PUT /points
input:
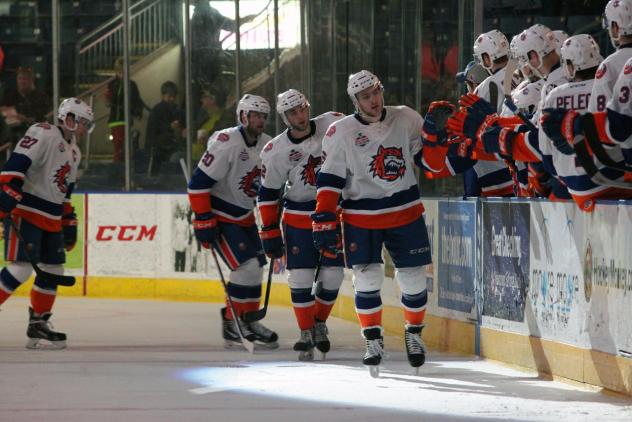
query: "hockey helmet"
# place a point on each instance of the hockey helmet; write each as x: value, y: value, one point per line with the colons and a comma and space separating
x: 359, y: 82
x: 80, y: 111
x: 288, y: 100
x: 582, y: 52
x: 493, y: 43
x: 250, y: 102
x: 620, y: 12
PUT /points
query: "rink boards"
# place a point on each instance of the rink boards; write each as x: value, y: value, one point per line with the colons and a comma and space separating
x: 537, y: 284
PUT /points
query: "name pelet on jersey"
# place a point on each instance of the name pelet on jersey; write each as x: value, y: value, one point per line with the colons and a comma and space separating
x: 293, y: 164
x: 47, y: 164
x: 371, y: 165
x: 227, y: 178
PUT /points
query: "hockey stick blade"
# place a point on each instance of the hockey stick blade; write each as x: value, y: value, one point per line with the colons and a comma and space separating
x: 261, y: 313
x: 56, y: 279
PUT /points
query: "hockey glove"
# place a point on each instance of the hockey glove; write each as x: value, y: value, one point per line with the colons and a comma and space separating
x: 325, y: 234
x: 562, y: 127
x: 433, y: 130
x: 469, y: 123
x: 272, y: 241
x: 476, y: 104
x: 205, y: 229
x: 69, y: 229
x: 498, y: 140
x: 10, y: 196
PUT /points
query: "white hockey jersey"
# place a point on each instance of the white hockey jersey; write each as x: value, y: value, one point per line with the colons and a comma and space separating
x: 371, y: 165
x: 227, y: 178
x: 293, y: 164
x: 583, y: 190
x: 606, y: 77
x: 621, y: 101
x: 486, y: 89
x: 47, y: 164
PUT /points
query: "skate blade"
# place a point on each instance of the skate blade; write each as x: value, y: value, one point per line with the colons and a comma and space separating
x: 416, y: 371
x: 269, y: 346
x: 41, y: 344
x: 306, y: 356
x: 320, y: 355
x: 374, y: 370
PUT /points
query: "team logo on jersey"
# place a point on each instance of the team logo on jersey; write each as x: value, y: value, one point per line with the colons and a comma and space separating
x: 223, y: 137
x: 335, y: 113
x: 361, y: 139
x: 243, y: 155
x: 331, y: 131
x: 60, y: 178
x: 388, y: 164
x: 61, y: 147
x: 249, y: 184
x: 310, y: 170
x: 268, y: 147
x: 295, y: 156
x: 601, y: 71
x: 627, y: 69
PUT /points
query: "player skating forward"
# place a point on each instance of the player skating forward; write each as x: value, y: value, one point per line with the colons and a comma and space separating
x: 222, y: 192
x: 291, y: 161
x: 368, y: 159
x: 37, y: 182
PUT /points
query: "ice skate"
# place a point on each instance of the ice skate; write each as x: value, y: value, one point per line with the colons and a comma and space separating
x: 305, y: 346
x: 415, y: 347
x: 321, y: 339
x: 40, y: 334
x: 263, y: 336
x: 374, y: 349
x: 231, y: 334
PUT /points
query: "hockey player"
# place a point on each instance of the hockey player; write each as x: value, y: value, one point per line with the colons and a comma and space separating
x: 36, y: 185
x: 618, y: 21
x: 368, y: 159
x: 291, y: 161
x: 222, y: 192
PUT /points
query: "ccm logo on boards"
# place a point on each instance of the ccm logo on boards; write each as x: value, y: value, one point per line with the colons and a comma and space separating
x: 126, y: 233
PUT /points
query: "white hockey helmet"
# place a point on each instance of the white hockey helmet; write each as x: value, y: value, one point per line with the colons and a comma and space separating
x: 534, y: 40
x: 493, y: 43
x: 582, y: 52
x: 79, y: 110
x: 559, y: 36
x: 619, y: 11
x: 527, y: 97
x: 250, y: 102
x: 288, y: 100
x: 359, y: 82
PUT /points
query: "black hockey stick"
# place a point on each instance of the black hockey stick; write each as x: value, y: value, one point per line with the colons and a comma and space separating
x: 249, y: 345
x: 259, y: 314
x: 56, y: 279
x: 317, y: 285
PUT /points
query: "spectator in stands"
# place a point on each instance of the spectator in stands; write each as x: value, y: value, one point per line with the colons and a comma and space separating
x: 115, y: 98
x: 211, y: 117
x: 206, y: 45
x: 166, y: 127
x: 25, y: 104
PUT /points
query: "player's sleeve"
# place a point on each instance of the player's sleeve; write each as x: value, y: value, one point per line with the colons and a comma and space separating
x: 31, y: 148
x: 213, y: 166
x: 616, y: 124
x: 414, y: 135
x: 273, y: 179
x: 331, y: 178
x: 601, y: 89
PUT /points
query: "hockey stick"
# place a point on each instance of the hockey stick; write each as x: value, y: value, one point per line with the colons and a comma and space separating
x: 56, y: 279
x: 261, y: 313
x: 247, y: 343
x: 317, y: 285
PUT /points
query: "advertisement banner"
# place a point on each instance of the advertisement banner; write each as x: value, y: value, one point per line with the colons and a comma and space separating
x: 505, y: 259
x: 456, y: 255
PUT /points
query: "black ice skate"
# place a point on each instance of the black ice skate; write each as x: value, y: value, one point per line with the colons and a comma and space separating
x: 374, y: 349
x: 321, y: 339
x: 415, y: 347
x: 231, y: 334
x: 305, y: 346
x: 263, y: 336
x: 40, y: 334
